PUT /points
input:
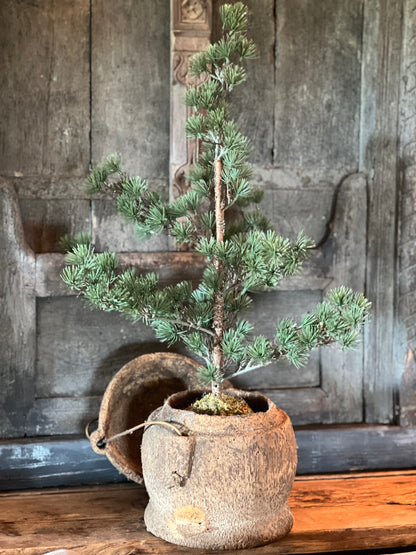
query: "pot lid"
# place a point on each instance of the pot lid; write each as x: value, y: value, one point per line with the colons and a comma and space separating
x: 139, y: 387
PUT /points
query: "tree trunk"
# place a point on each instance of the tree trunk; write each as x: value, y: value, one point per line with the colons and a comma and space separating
x: 218, y: 323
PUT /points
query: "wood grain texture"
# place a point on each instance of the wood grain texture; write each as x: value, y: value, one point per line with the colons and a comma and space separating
x: 55, y: 186
x: 52, y: 462
x: 46, y: 221
x: 407, y: 391
x: 110, y: 231
x: 191, y: 25
x: 171, y: 267
x: 383, y: 28
x: 44, y: 79
x: 317, y: 83
x: 345, y: 252
x: 304, y: 209
x: 130, y: 84
x: 253, y: 102
x: 80, y: 360
x: 355, y: 448
x: 18, y: 317
x: 406, y: 312
x: 332, y: 513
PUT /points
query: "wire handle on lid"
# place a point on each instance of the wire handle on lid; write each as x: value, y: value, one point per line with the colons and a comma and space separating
x: 101, y: 443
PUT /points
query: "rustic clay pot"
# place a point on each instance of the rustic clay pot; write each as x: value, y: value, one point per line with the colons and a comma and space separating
x: 225, y: 484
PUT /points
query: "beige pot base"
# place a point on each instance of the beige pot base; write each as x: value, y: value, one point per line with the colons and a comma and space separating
x: 191, y: 527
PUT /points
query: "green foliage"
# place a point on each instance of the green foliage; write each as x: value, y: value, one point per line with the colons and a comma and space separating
x: 209, y: 374
x: 67, y: 242
x: 204, y: 97
x: 252, y: 256
x: 234, y: 17
x: 97, y: 179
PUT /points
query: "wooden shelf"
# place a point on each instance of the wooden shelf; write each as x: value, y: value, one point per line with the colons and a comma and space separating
x: 332, y: 513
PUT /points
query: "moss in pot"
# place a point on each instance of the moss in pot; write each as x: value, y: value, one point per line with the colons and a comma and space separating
x: 243, y: 253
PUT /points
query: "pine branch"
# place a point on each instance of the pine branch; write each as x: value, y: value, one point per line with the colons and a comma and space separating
x: 243, y: 251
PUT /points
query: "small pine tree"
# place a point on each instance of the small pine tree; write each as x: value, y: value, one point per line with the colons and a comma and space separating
x: 242, y: 253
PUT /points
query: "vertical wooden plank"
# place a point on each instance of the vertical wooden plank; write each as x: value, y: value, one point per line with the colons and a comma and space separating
x: 190, y: 33
x: 344, y: 252
x: 318, y: 83
x: 382, y: 49
x: 130, y: 84
x: 17, y: 322
x: 254, y: 102
x: 44, y: 79
x: 407, y: 226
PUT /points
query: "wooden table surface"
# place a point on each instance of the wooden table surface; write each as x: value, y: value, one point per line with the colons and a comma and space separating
x: 332, y: 513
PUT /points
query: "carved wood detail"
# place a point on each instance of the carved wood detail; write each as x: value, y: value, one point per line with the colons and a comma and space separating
x: 193, y: 10
x: 191, y: 33
x: 191, y: 15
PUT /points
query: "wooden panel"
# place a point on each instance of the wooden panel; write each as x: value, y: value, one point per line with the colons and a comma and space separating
x: 354, y: 448
x: 52, y: 462
x: 253, y: 102
x: 333, y: 513
x: 130, y: 84
x: 171, y: 267
x: 345, y: 250
x: 79, y: 360
x: 406, y: 311
x: 46, y: 221
x: 111, y: 232
x: 339, y: 397
x: 382, y: 46
x: 309, y: 405
x: 58, y: 187
x: 407, y: 391
x: 49, y: 187
x: 57, y: 461
x: 44, y: 79
x: 316, y: 146
x: 302, y: 209
x: 318, y: 82
x: 60, y: 416
x: 17, y: 321
x: 191, y: 24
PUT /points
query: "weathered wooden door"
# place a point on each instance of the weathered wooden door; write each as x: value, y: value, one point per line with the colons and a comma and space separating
x: 329, y: 107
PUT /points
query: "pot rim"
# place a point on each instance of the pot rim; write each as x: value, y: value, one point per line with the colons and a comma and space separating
x: 206, y: 424
x: 256, y: 398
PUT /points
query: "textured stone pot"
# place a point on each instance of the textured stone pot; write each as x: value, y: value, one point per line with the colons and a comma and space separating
x: 225, y: 484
